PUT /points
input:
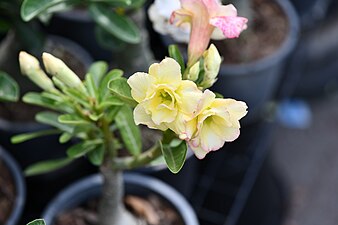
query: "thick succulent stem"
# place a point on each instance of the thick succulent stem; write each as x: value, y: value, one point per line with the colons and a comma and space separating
x: 111, y: 208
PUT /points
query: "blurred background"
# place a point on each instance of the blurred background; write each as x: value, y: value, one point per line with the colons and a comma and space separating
x: 283, y: 169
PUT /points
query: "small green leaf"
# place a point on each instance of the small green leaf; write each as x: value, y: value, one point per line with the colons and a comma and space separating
x: 174, y: 52
x: 65, y: 137
x: 112, y: 112
x: 9, y: 89
x: 46, y: 100
x: 71, y: 119
x: 77, y: 96
x: 174, y: 156
x: 51, y: 119
x: 121, y: 89
x: 130, y: 132
x: 32, y: 8
x: 111, y: 101
x: 97, y: 70
x: 37, y: 222
x: 113, y: 74
x: 118, y: 25
x: 28, y: 136
x: 82, y: 148
x: 96, y: 155
x: 46, y: 166
x: 91, y: 87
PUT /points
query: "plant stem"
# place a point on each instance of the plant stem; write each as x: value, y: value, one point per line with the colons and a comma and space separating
x: 138, y: 161
x: 111, y: 208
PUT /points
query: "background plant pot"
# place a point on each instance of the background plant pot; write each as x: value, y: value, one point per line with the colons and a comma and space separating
x: 311, y: 11
x: 79, y: 27
x: 135, y: 184
x: 256, y: 82
x: 184, y: 181
x: 315, y: 59
x: 19, y: 185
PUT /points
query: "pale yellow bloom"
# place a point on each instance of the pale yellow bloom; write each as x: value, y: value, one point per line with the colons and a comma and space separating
x: 163, y: 96
x: 217, y: 122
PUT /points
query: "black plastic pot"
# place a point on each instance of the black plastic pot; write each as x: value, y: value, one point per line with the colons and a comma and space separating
x: 19, y: 185
x: 256, y: 82
x: 184, y: 181
x: 79, y: 27
x: 90, y: 187
x: 311, y: 11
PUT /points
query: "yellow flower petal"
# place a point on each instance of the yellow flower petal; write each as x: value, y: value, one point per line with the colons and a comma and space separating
x: 141, y: 85
x: 142, y: 117
x: 168, y: 71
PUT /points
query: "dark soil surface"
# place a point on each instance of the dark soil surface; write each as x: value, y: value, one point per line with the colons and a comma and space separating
x: 151, y: 210
x: 265, y: 34
x: 7, y: 193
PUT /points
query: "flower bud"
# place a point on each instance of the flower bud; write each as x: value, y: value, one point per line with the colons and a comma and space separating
x: 212, y: 63
x: 60, y: 70
x: 30, y: 67
x: 194, y: 72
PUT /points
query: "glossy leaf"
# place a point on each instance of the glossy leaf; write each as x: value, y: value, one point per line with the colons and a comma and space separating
x: 32, y: 8
x: 72, y: 119
x: 65, y: 137
x: 9, y: 89
x: 46, y: 166
x: 174, y: 156
x: 96, y: 156
x: 97, y: 71
x: 82, y: 148
x: 118, y: 25
x: 113, y: 74
x: 130, y: 132
x: 52, y: 119
x: 120, y: 88
x: 28, y: 136
x: 37, y: 222
x: 40, y: 100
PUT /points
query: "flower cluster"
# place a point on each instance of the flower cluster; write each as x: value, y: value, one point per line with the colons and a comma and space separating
x: 165, y: 101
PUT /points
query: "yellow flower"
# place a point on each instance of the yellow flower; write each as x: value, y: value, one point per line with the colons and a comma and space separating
x: 163, y: 96
x: 217, y: 121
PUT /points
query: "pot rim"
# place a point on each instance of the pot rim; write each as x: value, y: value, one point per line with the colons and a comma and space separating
x: 94, y: 181
x: 283, y: 51
x: 19, y: 185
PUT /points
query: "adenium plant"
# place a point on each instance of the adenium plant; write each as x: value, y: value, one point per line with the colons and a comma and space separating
x: 103, y: 112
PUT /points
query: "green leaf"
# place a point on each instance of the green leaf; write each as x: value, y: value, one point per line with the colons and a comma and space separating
x: 52, y: 119
x: 37, y: 222
x: 108, y: 41
x: 46, y: 166
x: 9, y: 89
x: 82, y: 148
x: 91, y: 87
x: 32, y: 8
x: 113, y: 74
x: 77, y: 96
x: 121, y: 89
x: 112, y: 112
x: 28, y: 136
x: 65, y: 137
x: 174, y: 156
x: 118, y: 25
x: 96, y: 155
x: 72, y: 119
x: 174, y: 52
x: 129, y: 131
x: 97, y: 70
x: 44, y: 101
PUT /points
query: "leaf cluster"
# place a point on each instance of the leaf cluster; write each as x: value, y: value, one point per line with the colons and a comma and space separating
x: 112, y: 22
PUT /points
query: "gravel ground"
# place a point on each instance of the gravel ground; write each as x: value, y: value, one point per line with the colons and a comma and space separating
x: 308, y: 160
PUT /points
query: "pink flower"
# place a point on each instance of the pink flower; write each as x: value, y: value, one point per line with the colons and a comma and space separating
x: 204, y: 16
